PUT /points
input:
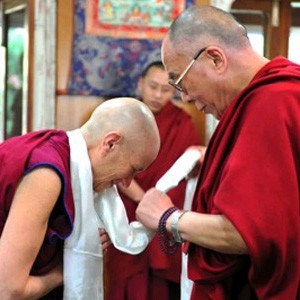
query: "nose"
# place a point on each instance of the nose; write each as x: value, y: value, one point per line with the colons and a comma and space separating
x: 126, y: 182
x: 158, y: 92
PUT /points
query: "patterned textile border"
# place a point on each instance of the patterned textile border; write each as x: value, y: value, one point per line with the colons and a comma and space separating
x: 147, y: 19
x: 105, y: 66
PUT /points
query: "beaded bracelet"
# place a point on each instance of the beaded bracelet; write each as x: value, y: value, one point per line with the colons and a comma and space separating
x: 167, y: 245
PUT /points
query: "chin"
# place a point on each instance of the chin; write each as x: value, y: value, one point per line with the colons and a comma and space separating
x: 102, y: 186
x: 99, y: 188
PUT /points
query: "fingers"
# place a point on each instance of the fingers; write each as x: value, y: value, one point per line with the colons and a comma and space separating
x: 105, y: 240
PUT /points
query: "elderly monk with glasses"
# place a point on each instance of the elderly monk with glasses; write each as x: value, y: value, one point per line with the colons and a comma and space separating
x: 242, y: 235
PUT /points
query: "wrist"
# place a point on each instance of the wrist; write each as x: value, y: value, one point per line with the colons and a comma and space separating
x: 172, y: 225
x: 138, y: 196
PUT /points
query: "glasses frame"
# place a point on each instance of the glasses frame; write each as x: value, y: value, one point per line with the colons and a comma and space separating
x: 176, y: 84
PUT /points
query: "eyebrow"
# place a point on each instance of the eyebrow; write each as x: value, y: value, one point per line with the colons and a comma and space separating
x: 157, y: 83
x: 153, y: 81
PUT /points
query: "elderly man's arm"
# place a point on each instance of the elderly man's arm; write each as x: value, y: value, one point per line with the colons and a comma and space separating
x: 23, y: 234
x: 215, y: 232
x: 134, y: 191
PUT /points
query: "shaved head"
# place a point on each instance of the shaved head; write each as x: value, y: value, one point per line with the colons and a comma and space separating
x: 129, y: 116
x: 208, y: 24
x: 224, y: 63
x: 122, y: 139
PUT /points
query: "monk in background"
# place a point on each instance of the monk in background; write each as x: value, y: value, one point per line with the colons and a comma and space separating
x: 152, y: 274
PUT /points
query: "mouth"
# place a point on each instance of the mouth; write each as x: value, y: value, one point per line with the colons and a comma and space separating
x: 155, y: 104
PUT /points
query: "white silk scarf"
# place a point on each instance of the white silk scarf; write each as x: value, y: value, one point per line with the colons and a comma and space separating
x: 83, y: 258
x: 179, y: 170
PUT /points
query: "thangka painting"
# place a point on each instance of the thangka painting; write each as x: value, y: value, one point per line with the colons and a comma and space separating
x: 111, y: 65
x: 142, y: 19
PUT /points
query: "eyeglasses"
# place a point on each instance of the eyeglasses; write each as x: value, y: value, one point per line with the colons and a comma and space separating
x: 176, y: 84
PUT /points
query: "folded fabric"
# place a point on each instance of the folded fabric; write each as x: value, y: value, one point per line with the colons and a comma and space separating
x: 131, y: 238
x: 83, y: 258
x: 179, y: 170
x: 186, y: 284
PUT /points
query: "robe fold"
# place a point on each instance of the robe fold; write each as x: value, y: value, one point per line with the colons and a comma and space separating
x: 251, y: 175
x: 177, y: 133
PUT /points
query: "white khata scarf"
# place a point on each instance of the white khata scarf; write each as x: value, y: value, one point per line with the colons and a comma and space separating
x: 83, y: 258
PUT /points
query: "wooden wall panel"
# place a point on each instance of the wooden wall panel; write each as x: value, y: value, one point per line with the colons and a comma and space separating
x: 73, y: 111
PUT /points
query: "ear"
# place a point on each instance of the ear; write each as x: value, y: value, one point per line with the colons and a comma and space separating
x: 110, y: 140
x: 218, y: 58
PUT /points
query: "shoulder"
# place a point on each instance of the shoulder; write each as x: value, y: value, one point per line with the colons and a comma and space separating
x: 275, y: 99
x: 54, y: 150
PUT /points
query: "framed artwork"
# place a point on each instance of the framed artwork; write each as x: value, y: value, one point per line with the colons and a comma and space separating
x: 141, y: 19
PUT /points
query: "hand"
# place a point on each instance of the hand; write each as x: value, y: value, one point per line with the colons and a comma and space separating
x: 105, y: 240
x: 152, y: 206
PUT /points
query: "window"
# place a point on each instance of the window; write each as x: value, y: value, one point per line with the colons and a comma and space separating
x: 13, y: 75
x: 294, y: 38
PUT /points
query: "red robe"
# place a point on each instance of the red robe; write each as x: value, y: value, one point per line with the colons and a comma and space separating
x: 251, y: 175
x: 177, y: 133
x: 19, y: 156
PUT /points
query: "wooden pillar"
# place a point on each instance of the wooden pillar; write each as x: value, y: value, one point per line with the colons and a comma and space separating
x: 202, y: 2
x: 65, y: 27
x: 279, y: 29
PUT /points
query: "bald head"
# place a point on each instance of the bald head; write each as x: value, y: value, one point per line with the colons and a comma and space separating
x: 129, y: 116
x: 122, y: 139
x: 225, y: 62
x: 207, y: 24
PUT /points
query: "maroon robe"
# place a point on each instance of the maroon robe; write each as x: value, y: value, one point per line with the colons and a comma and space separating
x: 177, y: 133
x: 251, y: 175
x: 19, y: 156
